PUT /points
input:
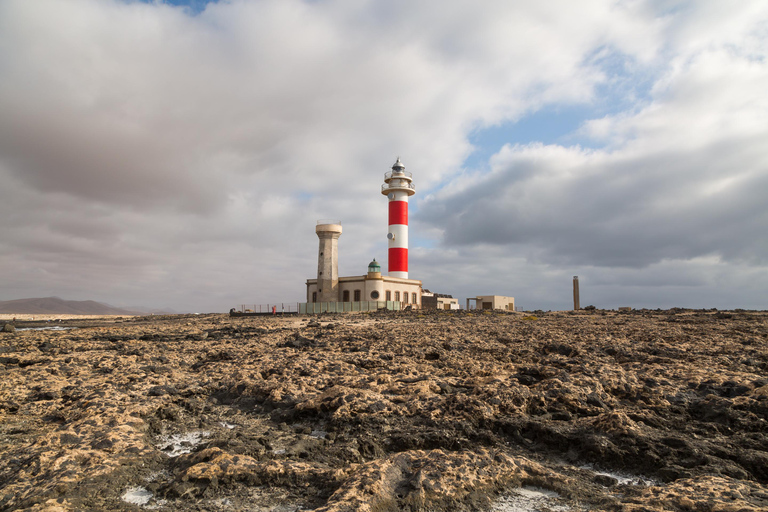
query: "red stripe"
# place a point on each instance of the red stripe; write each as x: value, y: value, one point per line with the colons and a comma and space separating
x: 398, y: 212
x: 398, y: 259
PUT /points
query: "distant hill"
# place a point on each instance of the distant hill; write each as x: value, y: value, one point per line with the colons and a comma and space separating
x: 57, y: 306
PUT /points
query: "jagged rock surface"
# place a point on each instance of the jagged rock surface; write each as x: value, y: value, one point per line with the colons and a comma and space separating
x: 374, y: 412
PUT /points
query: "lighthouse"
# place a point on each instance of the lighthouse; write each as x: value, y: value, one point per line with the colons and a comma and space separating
x: 373, y: 290
x: 398, y: 187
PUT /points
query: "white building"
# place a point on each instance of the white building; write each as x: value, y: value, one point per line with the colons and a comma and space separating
x: 493, y: 302
x: 372, y: 286
x: 431, y: 300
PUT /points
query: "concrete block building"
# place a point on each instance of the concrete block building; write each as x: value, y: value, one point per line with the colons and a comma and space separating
x: 431, y: 300
x: 498, y: 302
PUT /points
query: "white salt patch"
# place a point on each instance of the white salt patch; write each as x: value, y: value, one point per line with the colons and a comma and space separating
x: 179, y: 444
x: 279, y: 451
x: 536, y: 493
x: 319, y: 434
x: 529, y: 499
x: 227, y: 425
x: 621, y: 478
x: 137, y: 496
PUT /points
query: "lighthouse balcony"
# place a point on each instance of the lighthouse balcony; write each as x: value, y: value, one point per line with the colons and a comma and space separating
x: 408, y: 187
x: 405, y: 175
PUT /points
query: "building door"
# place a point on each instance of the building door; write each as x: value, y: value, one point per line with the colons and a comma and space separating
x: 357, y: 295
x: 345, y: 297
x: 487, y: 305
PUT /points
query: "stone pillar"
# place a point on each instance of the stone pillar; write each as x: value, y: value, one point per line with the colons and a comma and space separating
x: 328, y: 261
x: 576, y: 293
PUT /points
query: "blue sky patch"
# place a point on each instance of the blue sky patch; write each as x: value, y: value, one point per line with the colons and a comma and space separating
x: 626, y: 89
x: 552, y: 125
x: 195, y: 6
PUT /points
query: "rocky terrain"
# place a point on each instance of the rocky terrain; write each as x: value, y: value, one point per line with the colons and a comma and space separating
x: 433, y: 411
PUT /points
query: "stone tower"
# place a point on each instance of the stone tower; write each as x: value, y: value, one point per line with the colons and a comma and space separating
x: 328, y: 260
x: 576, y: 293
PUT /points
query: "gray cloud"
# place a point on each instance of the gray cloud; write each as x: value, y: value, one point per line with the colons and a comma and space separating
x: 150, y: 156
x: 681, y: 179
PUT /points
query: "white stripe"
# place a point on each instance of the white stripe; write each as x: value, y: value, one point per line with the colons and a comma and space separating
x: 401, y: 235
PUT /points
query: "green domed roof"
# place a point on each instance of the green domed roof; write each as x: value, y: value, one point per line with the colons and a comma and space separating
x: 374, y: 266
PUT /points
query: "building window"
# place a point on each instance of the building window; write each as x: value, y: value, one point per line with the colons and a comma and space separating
x: 357, y: 295
x: 314, y: 296
x: 413, y: 296
x: 389, y: 296
x: 346, y: 296
x: 397, y: 296
x: 405, y: 297
x: 374, y: 295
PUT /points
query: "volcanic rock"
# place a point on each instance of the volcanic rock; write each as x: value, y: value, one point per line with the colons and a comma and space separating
x: 445, y: 410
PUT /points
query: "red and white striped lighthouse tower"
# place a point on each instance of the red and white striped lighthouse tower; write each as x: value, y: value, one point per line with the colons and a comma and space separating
x: 398, y: 187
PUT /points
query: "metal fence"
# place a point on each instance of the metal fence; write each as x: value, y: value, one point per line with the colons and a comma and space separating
x: 279, y: 307
x: 312, y: 308
x: 309, y: 308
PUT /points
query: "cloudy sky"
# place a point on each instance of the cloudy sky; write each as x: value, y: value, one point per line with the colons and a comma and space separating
x: 178, y: 154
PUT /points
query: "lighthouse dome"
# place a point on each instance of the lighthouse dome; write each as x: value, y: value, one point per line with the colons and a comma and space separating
x: 374, y: 266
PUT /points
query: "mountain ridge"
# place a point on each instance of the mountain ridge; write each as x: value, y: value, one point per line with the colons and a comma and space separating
x: 58, y: 306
